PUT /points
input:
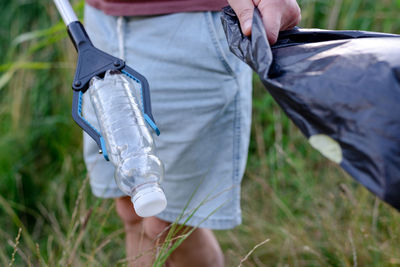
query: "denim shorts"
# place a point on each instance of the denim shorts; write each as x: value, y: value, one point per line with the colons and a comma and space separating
x: 201, y: 101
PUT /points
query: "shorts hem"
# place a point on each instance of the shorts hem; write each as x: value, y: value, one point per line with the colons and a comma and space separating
x: 107, y: 192
x: 171, y: 216
x: 201, y: 222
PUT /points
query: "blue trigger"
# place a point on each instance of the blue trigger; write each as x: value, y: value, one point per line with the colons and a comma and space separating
x: 151, y: 123
x: 102, y: 142
x: 103, y: 148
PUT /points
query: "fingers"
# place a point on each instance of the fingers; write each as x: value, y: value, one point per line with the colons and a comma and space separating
x: 272, y: 24
x: 291, y: 15
x: 278, y: 15
x: 244, y: 10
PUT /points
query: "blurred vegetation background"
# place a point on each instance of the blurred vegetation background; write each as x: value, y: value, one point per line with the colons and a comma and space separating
x: 311, y: 211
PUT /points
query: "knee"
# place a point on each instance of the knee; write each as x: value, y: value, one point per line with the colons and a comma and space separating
x: 126, y: 212
x: 155, y: 228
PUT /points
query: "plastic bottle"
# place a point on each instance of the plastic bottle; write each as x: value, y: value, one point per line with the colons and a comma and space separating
x: 130, y: 146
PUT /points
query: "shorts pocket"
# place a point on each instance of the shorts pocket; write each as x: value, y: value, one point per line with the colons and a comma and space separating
x: 218, y: 38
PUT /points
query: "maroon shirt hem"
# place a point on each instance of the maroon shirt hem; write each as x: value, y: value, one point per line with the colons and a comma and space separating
x: 137, y: 8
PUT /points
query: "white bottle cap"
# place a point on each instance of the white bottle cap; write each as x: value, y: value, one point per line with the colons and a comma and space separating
x: 149, y: 201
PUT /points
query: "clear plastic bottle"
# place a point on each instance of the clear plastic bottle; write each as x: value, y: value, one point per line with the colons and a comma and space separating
x: 130, y: 146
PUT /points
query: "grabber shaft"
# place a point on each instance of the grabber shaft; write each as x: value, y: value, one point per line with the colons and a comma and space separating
x: 66, y: 11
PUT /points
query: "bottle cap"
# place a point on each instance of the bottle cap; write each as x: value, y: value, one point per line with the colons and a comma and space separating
x: 149, y: 201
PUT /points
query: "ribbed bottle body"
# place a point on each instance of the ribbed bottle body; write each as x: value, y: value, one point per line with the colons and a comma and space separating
x: 129, y: 144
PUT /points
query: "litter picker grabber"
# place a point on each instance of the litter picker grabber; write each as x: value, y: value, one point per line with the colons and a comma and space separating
x: 93, y: 62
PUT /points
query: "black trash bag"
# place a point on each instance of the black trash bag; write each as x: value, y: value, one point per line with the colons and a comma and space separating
x: 340, y: 88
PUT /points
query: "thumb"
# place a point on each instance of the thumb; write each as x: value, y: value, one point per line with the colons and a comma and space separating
x: 244, y: 10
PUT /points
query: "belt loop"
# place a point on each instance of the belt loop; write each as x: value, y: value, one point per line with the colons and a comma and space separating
x: 120, y: 34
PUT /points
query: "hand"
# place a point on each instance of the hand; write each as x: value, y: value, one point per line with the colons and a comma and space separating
x: 277, y: 15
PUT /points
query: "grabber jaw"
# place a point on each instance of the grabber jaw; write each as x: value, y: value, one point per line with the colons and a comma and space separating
x: 85, y: 125
x: 93, y: 62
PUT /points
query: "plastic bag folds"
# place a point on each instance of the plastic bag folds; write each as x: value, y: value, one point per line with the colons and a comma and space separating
x: 340, y: 88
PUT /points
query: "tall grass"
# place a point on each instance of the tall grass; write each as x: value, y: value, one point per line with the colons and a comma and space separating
x: 311, y: 212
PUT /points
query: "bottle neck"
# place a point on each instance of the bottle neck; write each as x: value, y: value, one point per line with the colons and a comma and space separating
x: 145, y: 188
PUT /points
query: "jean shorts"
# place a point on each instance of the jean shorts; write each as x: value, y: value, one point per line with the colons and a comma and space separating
x: 201, y: 101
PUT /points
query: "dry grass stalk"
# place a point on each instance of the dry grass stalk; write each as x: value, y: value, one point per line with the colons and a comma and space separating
x: 15, y: 247
x: 252, y: 250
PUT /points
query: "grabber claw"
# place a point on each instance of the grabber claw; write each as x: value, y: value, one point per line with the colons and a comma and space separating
x: 93, y: 62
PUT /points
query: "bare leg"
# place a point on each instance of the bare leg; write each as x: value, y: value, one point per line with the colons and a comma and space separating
x: 199, y: 249
x: 139, y: 248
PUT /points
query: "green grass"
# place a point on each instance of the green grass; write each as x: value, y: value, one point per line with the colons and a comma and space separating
x: 312, y: 212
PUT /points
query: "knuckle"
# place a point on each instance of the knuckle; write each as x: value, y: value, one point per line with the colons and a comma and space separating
x: 286, y: 13
x: 245, y: 14
x: 295, y: 11
x: 294, y: 16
